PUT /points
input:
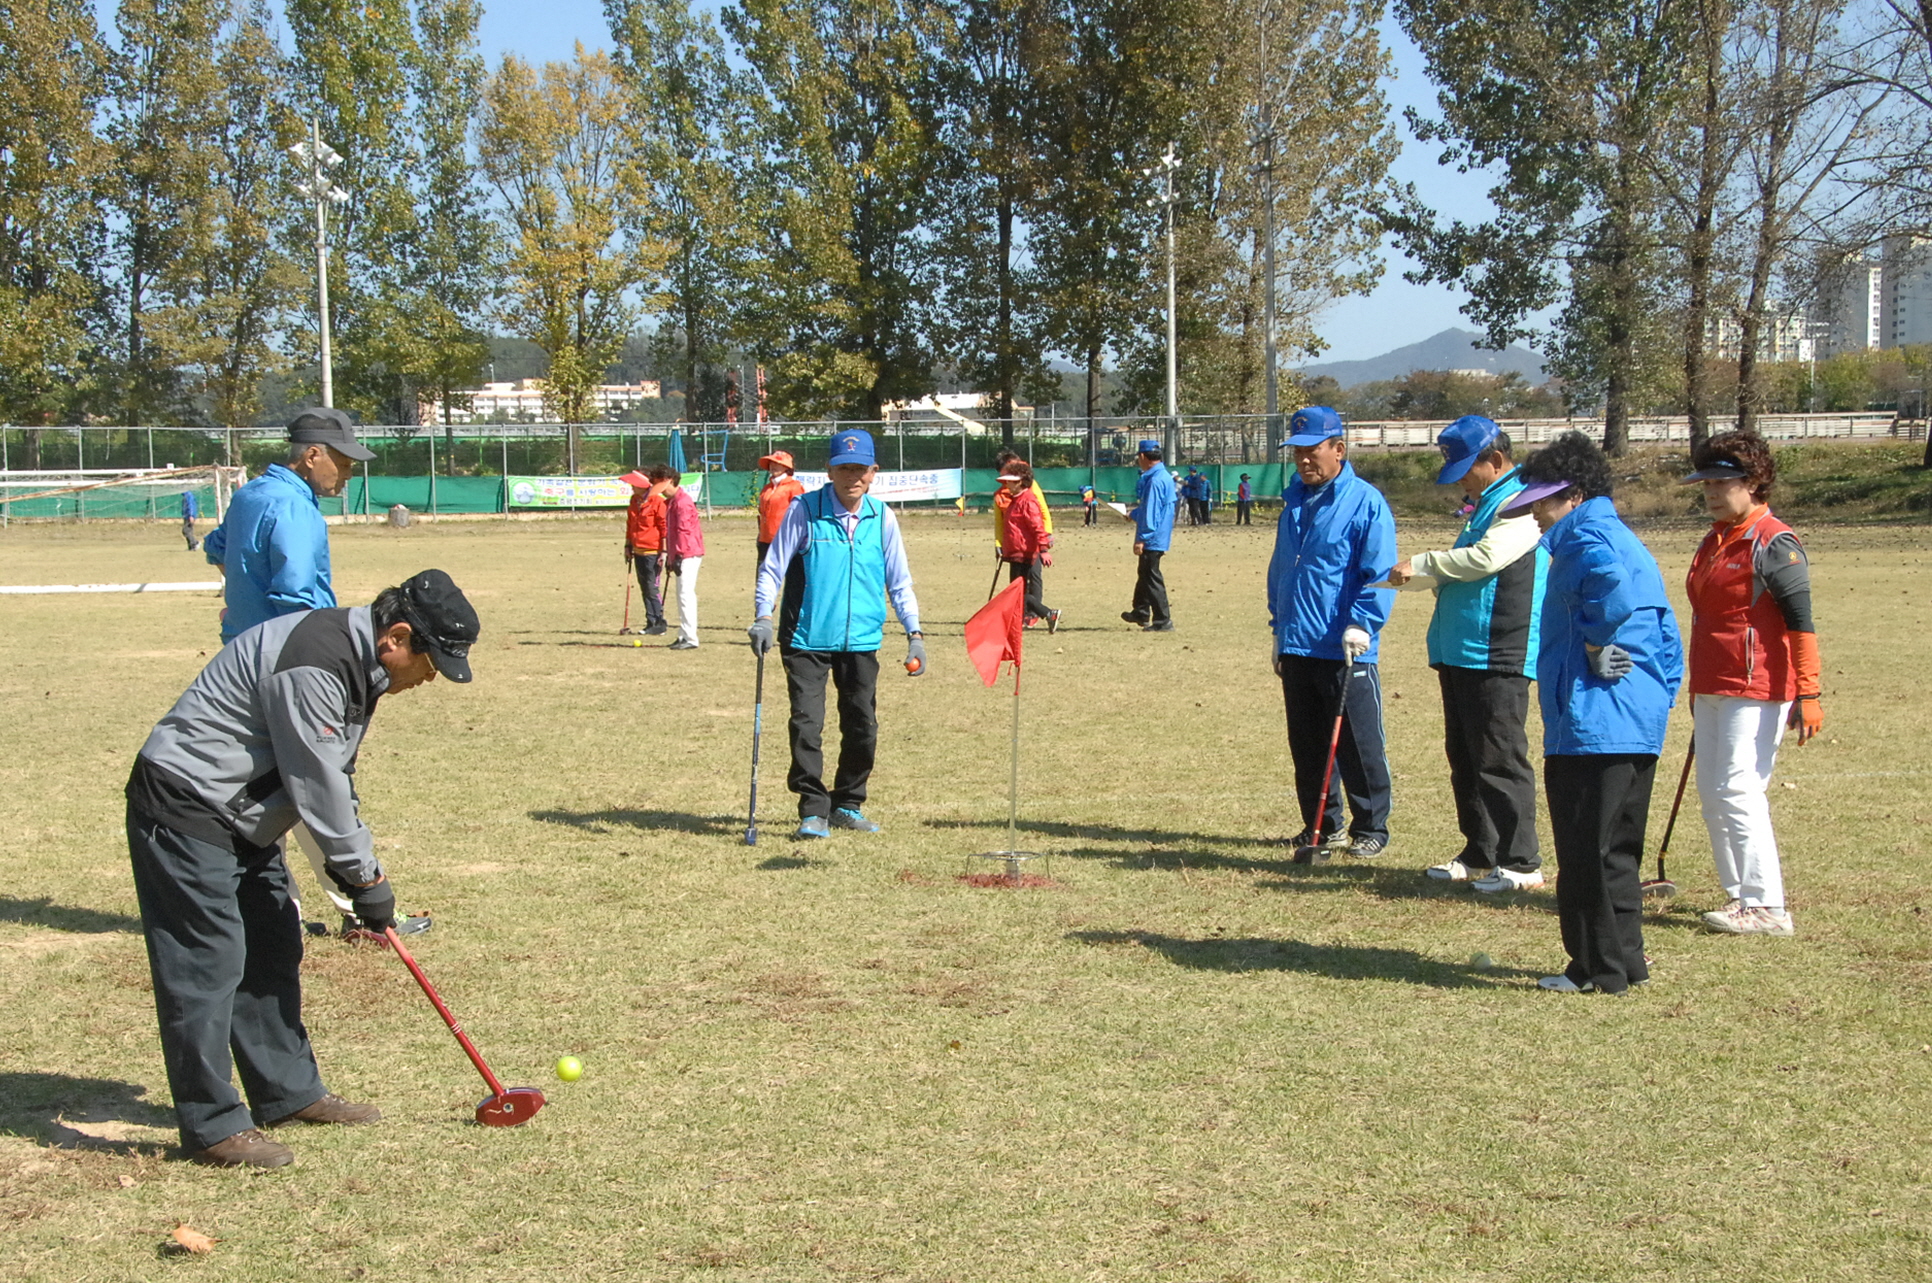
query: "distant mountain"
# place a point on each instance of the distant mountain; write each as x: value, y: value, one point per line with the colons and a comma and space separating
x: 1453, y: 349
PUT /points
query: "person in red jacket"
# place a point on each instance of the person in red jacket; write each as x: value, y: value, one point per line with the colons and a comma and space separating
x: 683, y: 555
x: 644, y: 540
x: 1024, y: 540
x: 781, y: 487
x: 1754, y: 671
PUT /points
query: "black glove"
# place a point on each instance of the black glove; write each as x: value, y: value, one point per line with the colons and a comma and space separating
x: 375, y: 906
x: 1612, y: 662
x: 628, y: 554
x: 761, y: 636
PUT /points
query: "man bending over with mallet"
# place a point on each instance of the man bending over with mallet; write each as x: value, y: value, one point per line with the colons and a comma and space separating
x: 267, y: 736
x: 834, y: 560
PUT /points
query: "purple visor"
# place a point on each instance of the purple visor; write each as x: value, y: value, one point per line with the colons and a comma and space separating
x: 1530, y: 494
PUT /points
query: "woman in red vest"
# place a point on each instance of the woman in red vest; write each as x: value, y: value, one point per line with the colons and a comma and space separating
x: 1024, y: 540
x: 1754, y: 671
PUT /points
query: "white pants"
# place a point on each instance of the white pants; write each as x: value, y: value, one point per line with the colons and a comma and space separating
x: 1737, y: 745
x: 688, y: 600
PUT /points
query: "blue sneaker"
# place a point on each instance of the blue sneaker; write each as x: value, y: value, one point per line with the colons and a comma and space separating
x: 812, y: 826
x: 847, y: 818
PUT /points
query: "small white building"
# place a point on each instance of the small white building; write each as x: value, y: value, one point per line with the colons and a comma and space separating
x: 1907, y: 303
x: 522, y: 401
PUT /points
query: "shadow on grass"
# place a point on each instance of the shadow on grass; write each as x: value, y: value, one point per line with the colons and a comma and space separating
x: 1111, y: 833
x: 65, y: 1112
x: 60, y: 917
x: 606, y: 821
x: 778, y: 862
x: 1339, y: 962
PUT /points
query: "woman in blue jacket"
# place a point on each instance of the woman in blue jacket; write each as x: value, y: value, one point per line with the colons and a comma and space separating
x: 1608, y: 666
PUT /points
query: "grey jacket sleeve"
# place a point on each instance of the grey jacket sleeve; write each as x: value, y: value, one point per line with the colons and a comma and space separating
x: 306, y: 712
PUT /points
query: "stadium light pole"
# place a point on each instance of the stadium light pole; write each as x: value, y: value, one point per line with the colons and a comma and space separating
x: 319, y: 158
x: 1169, y: 162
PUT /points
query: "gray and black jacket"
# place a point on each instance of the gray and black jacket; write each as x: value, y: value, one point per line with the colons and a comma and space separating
x: 267, y: 736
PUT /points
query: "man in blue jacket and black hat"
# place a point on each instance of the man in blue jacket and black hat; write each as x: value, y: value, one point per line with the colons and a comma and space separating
x: 1482, y: 644
x: 1153, y: 517
x: 1335, y: 539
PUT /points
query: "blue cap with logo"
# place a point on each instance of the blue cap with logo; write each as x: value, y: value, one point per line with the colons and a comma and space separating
x: 1462, y: 443
x: 1150, y: 446
x: 852, y: 446
x: 1313, y: 425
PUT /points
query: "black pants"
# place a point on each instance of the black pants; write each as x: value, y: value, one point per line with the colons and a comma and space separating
x: 759, y: 562
x: 1483, y: 716
x: 188, y: 532
x: 647, y: 586
x: 856, y: 675
x: 1309, y: 690
x: 1244, y: 512
x: 1599, y: 805
x: 1205, y: 508
x: 1150, y: 590
x: 1093, y: 515
x: 224, y: 941
x: 1035, y: 575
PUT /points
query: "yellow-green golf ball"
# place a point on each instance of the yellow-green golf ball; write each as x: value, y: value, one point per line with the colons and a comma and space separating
x: 636, y: 643
x: 570, y: 1069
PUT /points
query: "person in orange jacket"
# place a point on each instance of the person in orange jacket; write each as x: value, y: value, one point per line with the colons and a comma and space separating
x: 1023, y: 542
x: 781, y: 487
x: 644, y: 542
x: 1754, y: 672
x: 1001, y: 497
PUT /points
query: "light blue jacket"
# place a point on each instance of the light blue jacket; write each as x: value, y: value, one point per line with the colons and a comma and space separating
x: 1154, y: 509
x: 273, y: 547
x: 1331, y: 543
x: 1604, y: 587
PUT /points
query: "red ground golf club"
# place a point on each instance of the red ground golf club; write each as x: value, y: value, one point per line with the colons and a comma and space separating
x: 1311, y: 853
x: 505, y: 1107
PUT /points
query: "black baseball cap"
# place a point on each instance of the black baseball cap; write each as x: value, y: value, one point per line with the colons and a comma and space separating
x: 320, y: 425
x: 1719, y: 470
x: 438, y: 612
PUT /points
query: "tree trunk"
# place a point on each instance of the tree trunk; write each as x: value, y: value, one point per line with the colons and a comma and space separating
x: 1004, y: 356
x: 31, y: 436
x: 1713, y: 21
x: 449, y: 436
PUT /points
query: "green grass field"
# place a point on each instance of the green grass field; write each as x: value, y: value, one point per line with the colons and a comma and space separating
x: 1187, y: 1059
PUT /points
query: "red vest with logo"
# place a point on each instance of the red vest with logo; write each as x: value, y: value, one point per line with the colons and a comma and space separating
x: 1738, y: 639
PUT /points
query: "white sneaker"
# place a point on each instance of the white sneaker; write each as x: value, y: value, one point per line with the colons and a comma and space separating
x: 1448, y: 871
x: 1501, y: 879
x: 1563, y: 984
x: 1757, y: 920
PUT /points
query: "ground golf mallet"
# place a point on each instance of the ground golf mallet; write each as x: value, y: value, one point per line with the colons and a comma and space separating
x: 998, y: 561
x: 627, y: 600
x: 504, y: 1107
x: 757, y: 733
x: 1661, y: 886
x: 1328, y: 772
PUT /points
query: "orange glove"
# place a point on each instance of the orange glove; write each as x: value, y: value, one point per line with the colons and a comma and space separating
x: 1807, y: 717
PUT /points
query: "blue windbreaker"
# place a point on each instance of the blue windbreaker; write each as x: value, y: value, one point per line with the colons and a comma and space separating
x: 1154, y: 509
x: 1331, y: 543
x: 1604, y: 587
x: 273, y: 547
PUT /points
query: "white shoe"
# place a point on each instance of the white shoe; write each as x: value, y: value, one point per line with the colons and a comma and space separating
x: 1448, y: 871
x: 1563, y: 984
x: 1736, y: 919
x: 1501, y: 879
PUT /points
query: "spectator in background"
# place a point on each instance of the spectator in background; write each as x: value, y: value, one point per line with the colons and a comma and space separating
x: 1090, y: 501
x: 781, y: 487
x: 1153, y: 515
x: 683, y: 555
x: 1608, y: 664
x: 1482, y: 641
x: 190, y: 509
x: 1335, y: 538
x: 1754, y: 672
x: 1244, y: 502
x: 1002, y: 497
x: 644, y: 542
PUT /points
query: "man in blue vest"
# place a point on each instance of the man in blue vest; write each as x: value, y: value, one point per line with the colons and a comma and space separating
x: 1482, y: 644
x: 834, y: 561
x: 1153, y: 516
x: 190, y: 509
x: 1336, y: 539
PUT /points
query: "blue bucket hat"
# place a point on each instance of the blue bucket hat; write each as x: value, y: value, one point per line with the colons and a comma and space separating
x: 1313, y: 425
x: 1462, y: 443
x: 853, y: 445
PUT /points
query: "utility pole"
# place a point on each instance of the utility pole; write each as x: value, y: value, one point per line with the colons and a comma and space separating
x: 1265, y: 138
x: 1169, y: 162
x: 320, y: 158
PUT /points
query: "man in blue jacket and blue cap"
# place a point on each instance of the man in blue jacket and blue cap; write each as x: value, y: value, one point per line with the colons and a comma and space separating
x: 1153, y: 517
x: 1335, y: 539
x: 835, y: 560
x: 1482, y: 644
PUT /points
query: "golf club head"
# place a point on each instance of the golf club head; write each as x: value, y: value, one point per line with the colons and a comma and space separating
x: 514, y: 1107
x: 1660, y: 889
x: 751, y: 837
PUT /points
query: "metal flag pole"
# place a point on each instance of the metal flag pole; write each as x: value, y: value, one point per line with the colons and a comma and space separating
x: 1013, y: 788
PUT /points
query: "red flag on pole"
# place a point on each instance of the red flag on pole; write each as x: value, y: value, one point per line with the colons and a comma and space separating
x: 993, y: 634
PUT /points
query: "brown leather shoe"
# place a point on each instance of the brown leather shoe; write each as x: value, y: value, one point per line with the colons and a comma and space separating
x: 330, y: 1109
x: 244, y: 1149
